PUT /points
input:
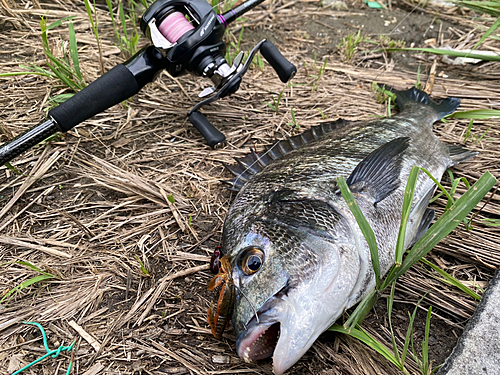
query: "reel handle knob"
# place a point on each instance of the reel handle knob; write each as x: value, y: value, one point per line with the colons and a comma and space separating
x: 207, y: 130
x: 285, y: 69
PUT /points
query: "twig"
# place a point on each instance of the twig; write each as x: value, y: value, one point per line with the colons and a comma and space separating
x: 86, y: 336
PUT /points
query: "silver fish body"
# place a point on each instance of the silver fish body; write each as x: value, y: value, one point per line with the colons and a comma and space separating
x: 314, y: 261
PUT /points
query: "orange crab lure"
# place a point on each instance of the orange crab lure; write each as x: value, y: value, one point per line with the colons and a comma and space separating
x: 220, y: 317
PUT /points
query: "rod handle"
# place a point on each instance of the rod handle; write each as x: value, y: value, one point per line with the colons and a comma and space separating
x: 111, y: 88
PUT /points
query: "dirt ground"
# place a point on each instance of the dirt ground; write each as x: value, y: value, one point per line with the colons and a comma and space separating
x: 93, y: 207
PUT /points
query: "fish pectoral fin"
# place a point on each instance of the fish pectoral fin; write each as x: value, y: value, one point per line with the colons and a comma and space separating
x: 424, y: 225
x: 378, y: 174
x: 459, y: 154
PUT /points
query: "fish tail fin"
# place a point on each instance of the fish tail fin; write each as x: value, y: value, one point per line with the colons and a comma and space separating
x: 459, y: 154
x: 414, y: 95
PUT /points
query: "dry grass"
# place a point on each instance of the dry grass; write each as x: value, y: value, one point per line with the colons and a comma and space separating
x: 96, y: 202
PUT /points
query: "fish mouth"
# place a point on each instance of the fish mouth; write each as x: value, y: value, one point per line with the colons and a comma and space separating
x: 258, y: 341
x: 261, y: 334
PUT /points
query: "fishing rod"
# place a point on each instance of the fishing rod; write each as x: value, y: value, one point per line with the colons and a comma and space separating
x: 186, y: 37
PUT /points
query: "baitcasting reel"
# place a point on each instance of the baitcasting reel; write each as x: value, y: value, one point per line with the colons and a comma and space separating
x: 186, y: 36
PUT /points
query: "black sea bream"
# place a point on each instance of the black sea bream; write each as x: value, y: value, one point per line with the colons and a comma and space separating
x: 298, y: 258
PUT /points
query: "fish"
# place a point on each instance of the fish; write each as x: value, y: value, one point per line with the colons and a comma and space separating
x: 295, y: 253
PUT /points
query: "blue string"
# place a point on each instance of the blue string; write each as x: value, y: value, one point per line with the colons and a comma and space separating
x: 53, y: 353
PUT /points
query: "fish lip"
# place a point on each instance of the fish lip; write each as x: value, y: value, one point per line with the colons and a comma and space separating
x: 255, y: 331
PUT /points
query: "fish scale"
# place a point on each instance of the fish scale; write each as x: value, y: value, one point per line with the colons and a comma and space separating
x: 315, y: 262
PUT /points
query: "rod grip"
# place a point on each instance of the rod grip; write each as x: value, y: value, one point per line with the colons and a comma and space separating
x: 26, y: 140
x: 285, y: 69
x: 111, y: 88
x: 207, y: 130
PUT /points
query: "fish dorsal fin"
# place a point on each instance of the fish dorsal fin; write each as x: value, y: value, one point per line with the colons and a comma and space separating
x: 253, y: 163
x: 378, y: 174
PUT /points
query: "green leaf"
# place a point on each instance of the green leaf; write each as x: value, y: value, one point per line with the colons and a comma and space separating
x: 89, y: 13
x: 408, y: 199
x: 11, y: 293
x: 362, y: 309
x: 476, y: 114
x: 143, y: 269
x: 445, y: 224
x: 425, y: 343
x: 444, y: 52
x: 364, y: 337
x: 73, y: 50
x: 58, y: 23
x: 490, y: 31
x: 171, y: 198
x: 115, y: 28
x: 363, y: 225
x: 451, y: 280
x: 489, y: 7
x: 390, y: 301
x: 13, y: 169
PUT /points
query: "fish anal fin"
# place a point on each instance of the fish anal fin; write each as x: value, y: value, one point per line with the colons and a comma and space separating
x: 424, y: 225
x: 378, y: 174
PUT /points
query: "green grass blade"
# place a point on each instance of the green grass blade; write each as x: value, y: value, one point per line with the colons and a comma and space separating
x: 14, y: 169
x: 490, y: 31
x: 115, y: 28
x: 37, y: 70
x: 489, y: 7
x: 476, y: 114
x: 11, y: 74
x: 73, y: 50
x: 121, y: 13
x: 11, y: 293
x: 362, y: 309
x: 451, y: 280
x: 425, y: 343
x: 30, y: 266
x: 58, y: 99
x: 409, y: 331
x: 390, y: 301
x: 89, y: 13
x: 445, y: 224
x: 364, y: 337
x: 444, y: 52
x: 408, y: 200
x: 58, y: 22
x: 143, y: 269
x: 441, y: 187
x: 363, y: 225
x: 491, y: 222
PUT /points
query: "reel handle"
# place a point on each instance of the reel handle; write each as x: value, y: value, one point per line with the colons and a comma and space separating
x: 285, y: 69
x: 209, y: 132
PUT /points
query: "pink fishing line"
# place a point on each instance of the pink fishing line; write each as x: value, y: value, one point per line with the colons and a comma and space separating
x: 174, y: 26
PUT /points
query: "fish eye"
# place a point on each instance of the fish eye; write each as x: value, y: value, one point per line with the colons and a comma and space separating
x: 251, y: 260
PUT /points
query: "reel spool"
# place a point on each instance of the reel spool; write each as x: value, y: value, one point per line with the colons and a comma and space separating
x: 174, y: 26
